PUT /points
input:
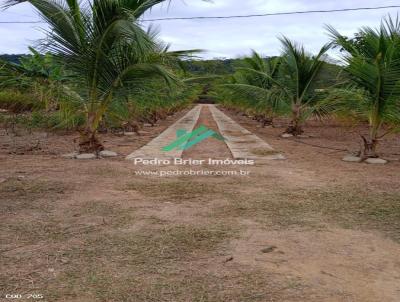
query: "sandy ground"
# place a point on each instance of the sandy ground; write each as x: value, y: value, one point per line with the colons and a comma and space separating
x: 310, y: 228
x: 210, y: 148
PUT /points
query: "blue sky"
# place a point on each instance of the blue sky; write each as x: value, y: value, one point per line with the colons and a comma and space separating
x: 227, y: 37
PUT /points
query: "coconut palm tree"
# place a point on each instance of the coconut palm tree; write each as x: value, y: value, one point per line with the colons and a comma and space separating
x: 106, y: 51
x: 255, y: 84
x: 288, y: 80
x: 298, y: 77
x: 373, y: 64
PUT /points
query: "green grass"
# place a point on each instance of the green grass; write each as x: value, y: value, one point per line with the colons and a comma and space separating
x: 16, y: 101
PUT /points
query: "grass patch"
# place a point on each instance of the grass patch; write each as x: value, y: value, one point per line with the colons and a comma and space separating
x: 37, y: 241
x: 111, y: 214
x: 16, y: 101
x: 124, y: 266
x: 179, y: 284
x: 362, y: 209
x: 177, y: 190
x: 264, y: 152
x: 108, y: 171
x: 20, y: 194
x: 237, y: 133
x: 200, y: 286
x: 44, y: 229
x: 156, y: 246
x: 348, y: 208
x: 31, y: 187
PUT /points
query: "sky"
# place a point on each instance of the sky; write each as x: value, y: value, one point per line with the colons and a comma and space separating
x: 227, y: 38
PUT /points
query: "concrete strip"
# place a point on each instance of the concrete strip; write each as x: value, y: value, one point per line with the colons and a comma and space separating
x: 153, y: 148
x: 242, y: 143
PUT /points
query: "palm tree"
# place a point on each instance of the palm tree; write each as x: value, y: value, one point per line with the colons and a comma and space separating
x: 255, y: 84
x: 373, y: 64
x: 106, y: 51
x: 298, y: 77
x: 289, y: 80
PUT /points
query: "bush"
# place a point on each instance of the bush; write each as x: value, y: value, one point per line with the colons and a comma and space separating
x: 54, y: 120
x: 17, y: 102
x: 41, y: 120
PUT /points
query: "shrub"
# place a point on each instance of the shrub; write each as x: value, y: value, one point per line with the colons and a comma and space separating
x: 17, y: 102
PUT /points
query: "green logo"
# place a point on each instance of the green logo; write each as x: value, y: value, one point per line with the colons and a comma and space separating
x: 187, y: 140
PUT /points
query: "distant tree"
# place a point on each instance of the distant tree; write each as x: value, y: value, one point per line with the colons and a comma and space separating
x: 13, y: 58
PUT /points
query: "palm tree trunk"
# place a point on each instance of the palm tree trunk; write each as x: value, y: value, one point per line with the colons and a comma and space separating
x: 369, y: 148
x: 266, y: 121
x: 370, y: 144
x: 267, y: 118
x: 295, y: 126
x: 88, y: 141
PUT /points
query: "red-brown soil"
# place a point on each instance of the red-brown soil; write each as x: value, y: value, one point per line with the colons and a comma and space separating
x: 310, y: 228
